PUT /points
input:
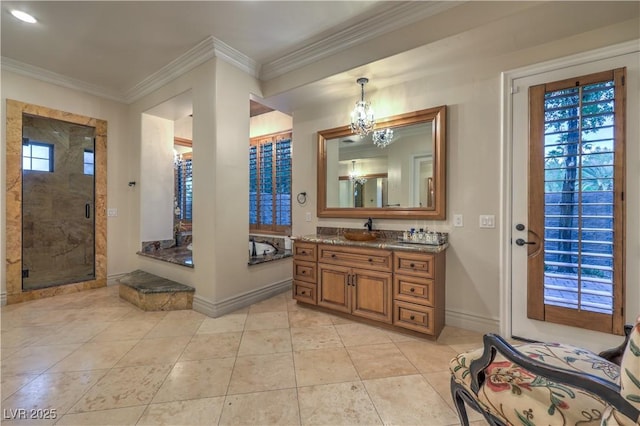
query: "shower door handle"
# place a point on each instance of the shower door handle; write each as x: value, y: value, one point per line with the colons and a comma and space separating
x: 87, y: 211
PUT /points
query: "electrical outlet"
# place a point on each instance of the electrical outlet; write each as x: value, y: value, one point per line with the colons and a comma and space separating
x: 458, y: 221
x: 112, y: 212
x: 487, y: 221
x: 307, y: 216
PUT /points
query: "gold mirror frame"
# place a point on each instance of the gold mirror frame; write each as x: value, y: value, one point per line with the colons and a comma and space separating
x: 438, y: 117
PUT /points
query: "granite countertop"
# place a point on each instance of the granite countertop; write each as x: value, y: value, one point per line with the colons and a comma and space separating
x: 178, y: 255
x: 383, y: 243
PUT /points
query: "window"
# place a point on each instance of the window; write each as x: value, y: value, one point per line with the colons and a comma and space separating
x: 579, y: 155
x: 270, y: 184
x: 88, y: 162
x: 184, y: 188
x: 37, y: 156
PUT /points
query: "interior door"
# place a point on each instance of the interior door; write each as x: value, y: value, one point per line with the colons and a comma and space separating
x: 527, y: 244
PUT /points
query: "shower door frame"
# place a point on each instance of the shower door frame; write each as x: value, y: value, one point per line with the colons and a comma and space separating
x: 15, y: 111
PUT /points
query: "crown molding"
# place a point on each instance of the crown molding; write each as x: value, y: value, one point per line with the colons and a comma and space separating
x: 395, y: 18
x: 200, y: 53
x: 58, y: 79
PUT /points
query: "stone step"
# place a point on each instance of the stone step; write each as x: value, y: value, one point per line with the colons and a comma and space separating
x: 153, y: 293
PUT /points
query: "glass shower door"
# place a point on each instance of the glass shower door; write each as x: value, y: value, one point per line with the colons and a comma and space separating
x: 58, y: 199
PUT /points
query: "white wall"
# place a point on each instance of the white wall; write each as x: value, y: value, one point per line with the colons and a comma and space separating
x: 156, y: 179
x: 470, y: 86
x: 269, y: 123
x: 119, y: 166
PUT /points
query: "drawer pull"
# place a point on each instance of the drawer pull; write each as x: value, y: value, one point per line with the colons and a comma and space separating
x: 412, y: 289
x: 412, y: 265
x: 303, y: 252
x: 303, y: 292
x: 333, y: 255
x: 304, y: 272
x: 370, y: 260
x: 412, y: 317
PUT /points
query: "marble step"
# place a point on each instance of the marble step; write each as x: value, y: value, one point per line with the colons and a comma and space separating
x: 153, y: 293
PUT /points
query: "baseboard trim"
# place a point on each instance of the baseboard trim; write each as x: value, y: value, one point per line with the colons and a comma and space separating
x: 3, y: 298
x: 216, y: 309
x: 472, y: 322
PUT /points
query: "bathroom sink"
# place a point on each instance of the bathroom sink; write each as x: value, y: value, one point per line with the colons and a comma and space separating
x: 361, y: 235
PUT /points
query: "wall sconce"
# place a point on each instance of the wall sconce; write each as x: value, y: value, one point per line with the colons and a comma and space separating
x: 362, y: 118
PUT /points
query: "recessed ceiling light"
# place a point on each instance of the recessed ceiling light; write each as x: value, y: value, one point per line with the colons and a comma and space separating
x: 24, y: 16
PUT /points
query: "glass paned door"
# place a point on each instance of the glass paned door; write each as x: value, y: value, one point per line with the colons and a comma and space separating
x: 58, y: 202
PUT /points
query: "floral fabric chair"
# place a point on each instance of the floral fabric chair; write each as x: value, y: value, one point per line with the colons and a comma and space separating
x: 548, y: 383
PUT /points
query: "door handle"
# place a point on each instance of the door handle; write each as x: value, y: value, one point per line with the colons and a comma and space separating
x: 522, y: 242
x: 87, y: 211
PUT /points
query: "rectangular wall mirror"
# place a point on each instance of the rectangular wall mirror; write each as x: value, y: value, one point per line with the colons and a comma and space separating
x: 406, y: 178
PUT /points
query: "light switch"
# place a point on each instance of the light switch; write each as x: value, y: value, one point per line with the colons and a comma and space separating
x: 112, y: 212
x: 307, y: 216
x: 487, y: 221
x: 457, y: 221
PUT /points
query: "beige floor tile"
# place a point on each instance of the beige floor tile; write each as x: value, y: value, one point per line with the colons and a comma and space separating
x: 155, y: 351
x: 36, y: 359
x: 441, y: 382
x: 262, y: 373
x: 427, y: 357
x: 409, y: 400
x: 318, y: 337
x: 139, y: 314
x: 465, y: 347
x: 109, y: 313
x: 219, y: 345
x: 193, y: 413
x: 337, y: 404
x: 76, y: 332
x: 324, y: 366
x: 11, y: 383
x: 453, y: 335
x: 174, y: 328
x: 309, y: 318
x: 184, y: 315
x: 123, y: 387
x: 24, y: 336
x: 196, y: 379
x: 224, y: 324
x: 119, y: 416
x: 126, y: 330
x: 258, y: 342
x: 274, y: 304
x: 94, y: 356
x: 57, y: 391
x: 361, y: 334
x: 266, y: 320
x: 383, y: 360
x: 279, y: 407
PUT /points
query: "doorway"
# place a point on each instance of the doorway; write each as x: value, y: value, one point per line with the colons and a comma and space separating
x: 56, y: 222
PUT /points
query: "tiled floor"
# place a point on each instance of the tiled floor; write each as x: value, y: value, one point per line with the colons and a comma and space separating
x: 96, y: 359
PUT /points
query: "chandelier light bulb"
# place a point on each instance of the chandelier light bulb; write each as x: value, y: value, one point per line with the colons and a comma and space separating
x: 382, y: 138
x: 362, y: 117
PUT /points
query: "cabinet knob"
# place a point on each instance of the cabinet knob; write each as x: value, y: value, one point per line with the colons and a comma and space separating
x: 412, y: 289
x: 412, y: 265
x: 370, y: 260
x: 333, y: 255
x: 412, y: 317
x: 303, y: 252
x: 303, y: 292
x: 304, y: 272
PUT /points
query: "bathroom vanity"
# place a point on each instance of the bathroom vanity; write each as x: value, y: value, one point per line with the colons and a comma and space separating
x: 390, y: 282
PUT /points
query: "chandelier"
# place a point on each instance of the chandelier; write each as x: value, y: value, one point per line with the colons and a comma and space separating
x: 355, y: 176
x: 382, y: 138
x: 362, y: 119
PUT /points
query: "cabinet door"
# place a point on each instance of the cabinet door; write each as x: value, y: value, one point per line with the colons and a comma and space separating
x: 372, y: 295
x: 333, y: 287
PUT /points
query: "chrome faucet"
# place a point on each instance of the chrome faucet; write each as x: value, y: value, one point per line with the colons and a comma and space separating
x: 368, y: 224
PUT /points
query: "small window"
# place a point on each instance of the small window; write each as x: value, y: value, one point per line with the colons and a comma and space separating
x: 88, y: 162
x: 37, y: 156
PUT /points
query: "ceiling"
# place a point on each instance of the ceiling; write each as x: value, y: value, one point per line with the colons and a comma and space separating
x: 110, y: 47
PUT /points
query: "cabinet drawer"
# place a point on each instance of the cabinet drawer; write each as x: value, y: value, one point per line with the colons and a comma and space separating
x: 304, y: 292
x: 305, y: 251
x: 304, y: 271
x: 412, y: 316
x: 379, y: 260
x: 413, y: 289
x: 416, y: 264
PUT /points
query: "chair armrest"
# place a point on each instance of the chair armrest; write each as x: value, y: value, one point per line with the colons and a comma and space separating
x: 607, y: 391
x: 615, y: 355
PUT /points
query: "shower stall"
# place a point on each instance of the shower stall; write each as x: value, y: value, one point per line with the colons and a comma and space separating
x: 58, y: 202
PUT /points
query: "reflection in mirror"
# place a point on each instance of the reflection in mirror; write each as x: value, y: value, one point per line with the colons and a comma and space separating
x: 405, y: 178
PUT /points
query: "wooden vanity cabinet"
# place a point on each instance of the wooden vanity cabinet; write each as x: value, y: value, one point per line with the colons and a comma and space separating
x: 402, y: 288
x: 305, y: 272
